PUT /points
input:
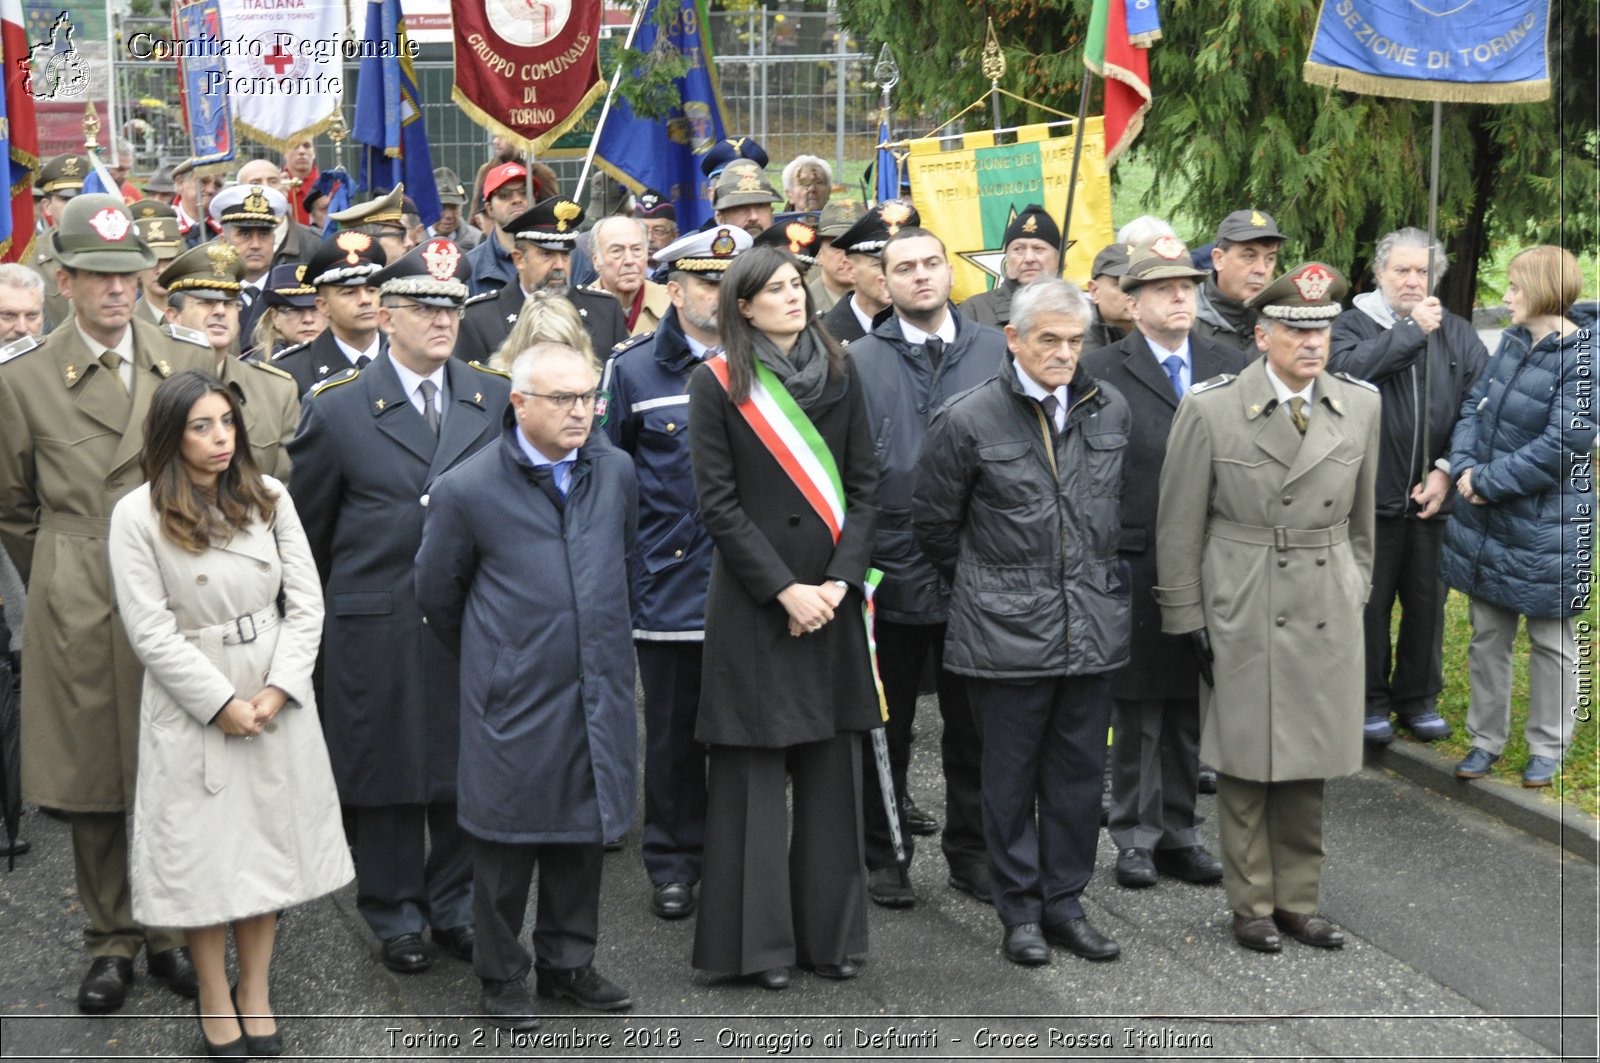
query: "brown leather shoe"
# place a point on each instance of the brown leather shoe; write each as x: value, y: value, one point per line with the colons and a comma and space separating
x: 1257, y: 933
x: 1310, y: 930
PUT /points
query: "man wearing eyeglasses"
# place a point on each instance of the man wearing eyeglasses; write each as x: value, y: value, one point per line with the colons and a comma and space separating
x: 370, y: 445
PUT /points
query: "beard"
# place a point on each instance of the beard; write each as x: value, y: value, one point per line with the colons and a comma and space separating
x: 555, y: 282
x: 707, y: 324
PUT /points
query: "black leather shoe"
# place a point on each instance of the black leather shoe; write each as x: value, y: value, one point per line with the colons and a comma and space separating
x: 919, y: 822
x: 1080, y: 938
x: 839, y: 972
x: 1193, y: 864
x: 507, y: 1004
x: 585, y: 987
x: 105, y: 987
x: 888, y: 890
x: 1025, y: 945
x: 674, y: 900
x: 1311, y: 930
x: 176, y: 969
x: 234, y: 1049
x: 1259, y: 933
x: 270, y: 1044
x: 457, y: 941
x: 776, y: 978
x: 406, y: 954
x: 973, y: 879
x: 1135, y: 869
x: 16, y: 848
x: 1207, y: 780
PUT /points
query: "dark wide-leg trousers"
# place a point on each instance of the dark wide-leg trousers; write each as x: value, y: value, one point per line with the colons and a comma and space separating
x: 413, y: 869
x: 772, y: 895
x: 1405, y: 566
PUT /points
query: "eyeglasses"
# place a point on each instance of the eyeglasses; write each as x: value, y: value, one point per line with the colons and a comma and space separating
x: 429, y: 312
x: 565, y: 400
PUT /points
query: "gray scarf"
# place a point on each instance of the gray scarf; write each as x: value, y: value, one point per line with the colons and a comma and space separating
x: 804, y: 373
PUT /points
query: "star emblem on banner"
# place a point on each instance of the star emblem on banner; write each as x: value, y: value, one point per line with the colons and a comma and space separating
x: 992, y: 259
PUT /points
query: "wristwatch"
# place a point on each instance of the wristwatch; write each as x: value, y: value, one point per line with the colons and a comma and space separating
x: 841, y: 584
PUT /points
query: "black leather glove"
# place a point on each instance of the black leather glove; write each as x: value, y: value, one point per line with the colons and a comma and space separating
x: 1200, y: 641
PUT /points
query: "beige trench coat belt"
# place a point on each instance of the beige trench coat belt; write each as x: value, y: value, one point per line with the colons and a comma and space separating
x: 235, y: 632
x: 1279, y: 537
x: 69, y: 524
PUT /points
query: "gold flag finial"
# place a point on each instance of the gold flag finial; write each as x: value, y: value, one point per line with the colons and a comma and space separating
x: 337, y: 130
x: 994, y: 60
x: 91, y: 128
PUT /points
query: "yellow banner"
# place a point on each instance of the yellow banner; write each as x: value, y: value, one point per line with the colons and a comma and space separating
x: 968, y: 196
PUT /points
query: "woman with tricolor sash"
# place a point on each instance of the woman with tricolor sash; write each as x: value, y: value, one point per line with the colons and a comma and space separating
x: 787, y: 483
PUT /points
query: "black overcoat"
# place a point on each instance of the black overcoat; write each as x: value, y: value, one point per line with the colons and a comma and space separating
x: 1162, y: 666
x: 365, y: 462
x: 760, y: 685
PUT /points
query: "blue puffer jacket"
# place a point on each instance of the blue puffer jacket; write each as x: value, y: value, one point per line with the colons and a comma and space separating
x: 1527, y: 432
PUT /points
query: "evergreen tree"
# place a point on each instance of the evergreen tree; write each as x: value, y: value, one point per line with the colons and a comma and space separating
x: 1234, y: 125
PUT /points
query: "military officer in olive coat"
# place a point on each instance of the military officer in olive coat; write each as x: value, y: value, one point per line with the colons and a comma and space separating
x: 1264, y: 558
x: 72, y: 415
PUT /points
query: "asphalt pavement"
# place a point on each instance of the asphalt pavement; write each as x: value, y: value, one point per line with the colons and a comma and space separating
x: 1469, y: 939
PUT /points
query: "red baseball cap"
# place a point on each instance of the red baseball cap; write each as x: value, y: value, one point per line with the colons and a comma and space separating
x: 501, y: 175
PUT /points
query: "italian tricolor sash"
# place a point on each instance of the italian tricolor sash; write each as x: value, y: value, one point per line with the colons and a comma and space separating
x: 797, y: 446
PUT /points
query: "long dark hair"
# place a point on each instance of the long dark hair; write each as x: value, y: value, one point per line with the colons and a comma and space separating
x: 750, y: 273
x: 191, y: 517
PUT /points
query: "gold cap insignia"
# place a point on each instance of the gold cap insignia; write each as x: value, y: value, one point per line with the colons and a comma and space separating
x: 147, y: 211
x: 256, y: 202
x: 1313, y: 282
x: 1257, y: 219
x: 158, y: 230
x: 69, y: 168
x: 800, y: 236
x: 441, y: 258
x: 1031, y: 225
x: 723, y: 245
x: 1169, y: 247
x: 738, y: 145
x: 223, y: 257
x: 300, y: 273
x: 749, y: 181
x: 566, y: 212
x: 895, y: 215
x: 352, y: 244
x: 112, y: 225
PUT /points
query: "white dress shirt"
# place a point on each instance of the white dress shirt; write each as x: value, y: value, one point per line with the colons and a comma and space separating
x: 1183, y: 353
x: 352, y: 354
x: 412, y: 382
x: 1034, y: 390
x: 1280, y: 389
x: 124, y: 349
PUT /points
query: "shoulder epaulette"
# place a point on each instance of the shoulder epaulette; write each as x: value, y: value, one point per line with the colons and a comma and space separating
x: 631, y: 342
x: 1215, y: 382
x: 482, y: 297
x: 291, y: 350
x: 334, y: 381
x: 19, y: 346
x: 480, y: 367
x: 1348, y: 379
x: 274, y: 370
x: 187, y: 335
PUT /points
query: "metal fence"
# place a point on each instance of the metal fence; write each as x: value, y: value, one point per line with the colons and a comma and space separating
x: 790, y: 79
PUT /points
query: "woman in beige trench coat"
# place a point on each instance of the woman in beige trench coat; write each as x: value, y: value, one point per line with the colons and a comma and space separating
x: 235, y: 811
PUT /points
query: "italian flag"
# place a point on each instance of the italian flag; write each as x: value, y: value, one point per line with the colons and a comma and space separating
x: 1120, y: 60
x: 22, y: 143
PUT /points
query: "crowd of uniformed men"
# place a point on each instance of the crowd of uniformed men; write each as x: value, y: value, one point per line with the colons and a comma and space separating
x: 1161, y: 495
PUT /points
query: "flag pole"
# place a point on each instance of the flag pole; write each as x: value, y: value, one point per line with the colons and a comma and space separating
x: 605, y: 109
x: 1433, y: 337
x: 1077, y: 156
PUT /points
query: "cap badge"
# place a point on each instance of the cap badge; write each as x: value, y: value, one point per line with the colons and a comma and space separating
x: 1031, y: 225
x: 300, y: 273
x: 1169, y: 247
x: 158, y: 230
x: 738, y: 145
x: 566, y: 212
x: 441, y: 258
x: 1313, y: 282
x: 352, y: 244
x: 799, y: 234
x: 256, y: 202
x: 222, y: 257
x: 723, y: 245
x: 147, y: 211
x: 1257, y: 219
x: 895, y: 215
x: 111, y: 224
x: 69, y: 168
x: 749, y: 181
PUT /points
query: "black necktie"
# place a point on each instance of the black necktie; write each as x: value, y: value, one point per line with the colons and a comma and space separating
x: 362, y: 361
x: 1050, y: 406
x: 935, y: 349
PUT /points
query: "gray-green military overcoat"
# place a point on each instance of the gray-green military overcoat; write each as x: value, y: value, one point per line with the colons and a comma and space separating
x: 1265, y: 539
x: 69, y: 450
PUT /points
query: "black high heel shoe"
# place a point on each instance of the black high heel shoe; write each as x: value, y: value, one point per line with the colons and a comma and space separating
x: 234, y: 1048
x: 267, y: 1045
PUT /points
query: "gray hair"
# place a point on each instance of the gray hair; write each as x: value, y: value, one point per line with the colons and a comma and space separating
x: 1047, y: 295
x: 531, y: 360
x: 1144, y: 227
x: 16, y: 275
x: 1411, y: 236
x: 644, y: 233
x: 798, y: 161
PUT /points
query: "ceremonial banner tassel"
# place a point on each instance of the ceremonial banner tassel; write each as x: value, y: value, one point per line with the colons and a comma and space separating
x: 1454, y: 51
x: 527, y: 71
x: 388, y: 119
x: 19, y: 147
